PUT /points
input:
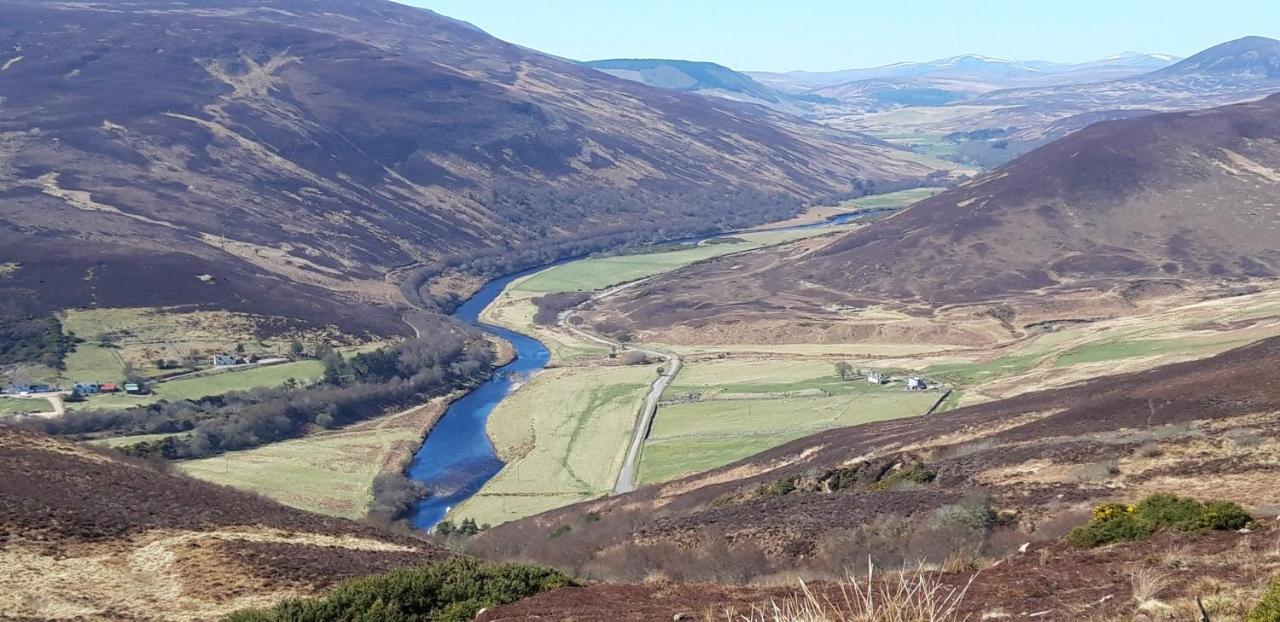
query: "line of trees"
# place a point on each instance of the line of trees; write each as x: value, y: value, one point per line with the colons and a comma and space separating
x: 448, y: 356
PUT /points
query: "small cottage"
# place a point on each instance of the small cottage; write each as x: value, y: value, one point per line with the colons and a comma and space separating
x: 876, y: 377
x: 87, y: 388
x: 223, y: 360
x: 136, y: 388
x: 916, y: 383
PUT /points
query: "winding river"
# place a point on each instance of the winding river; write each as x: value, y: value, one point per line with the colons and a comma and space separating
x: 457, y: 457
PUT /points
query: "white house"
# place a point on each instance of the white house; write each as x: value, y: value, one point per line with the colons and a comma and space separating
x: 916, y: 383
x: 222, y: 360
x: 876, y: 377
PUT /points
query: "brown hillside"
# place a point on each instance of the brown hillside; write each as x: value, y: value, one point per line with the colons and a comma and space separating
x: 1185, y: 195
x: 1129, y: 208
x: 84, y: 535
x: 294, y: 150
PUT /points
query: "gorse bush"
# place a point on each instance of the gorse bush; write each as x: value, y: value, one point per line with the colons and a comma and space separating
x: 1267, y: 609
x: 1114, y: 522
x: 451, y: 590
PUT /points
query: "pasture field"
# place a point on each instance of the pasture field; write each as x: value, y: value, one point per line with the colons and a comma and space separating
x: 563, y: 436
x: 22, y: 406
x: 329, y: 472
x: 901, y: 198
x: 739, y: 408
x: 1113, y: 350
x: 209, y: 384
x: 928, y: 144
x: 602, y: 272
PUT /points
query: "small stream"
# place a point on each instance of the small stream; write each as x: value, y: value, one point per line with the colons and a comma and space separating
x: 457, y: 457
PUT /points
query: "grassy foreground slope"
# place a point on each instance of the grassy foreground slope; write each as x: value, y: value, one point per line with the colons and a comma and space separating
x: 89, y: 536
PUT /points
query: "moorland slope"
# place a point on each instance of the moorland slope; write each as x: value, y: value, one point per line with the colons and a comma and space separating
x: 1118, y: 212
x: 283, y: 157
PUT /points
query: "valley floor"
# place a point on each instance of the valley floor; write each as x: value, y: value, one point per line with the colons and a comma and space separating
x: 735, y: 399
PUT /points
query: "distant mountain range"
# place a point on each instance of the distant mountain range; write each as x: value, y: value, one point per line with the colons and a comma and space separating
x: 932, y: 83
x: 974, y: 68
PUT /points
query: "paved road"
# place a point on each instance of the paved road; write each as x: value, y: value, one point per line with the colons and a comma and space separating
x: 627, y: 475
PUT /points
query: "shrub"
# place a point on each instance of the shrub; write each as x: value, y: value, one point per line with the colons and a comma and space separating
x: 1113, y: 522
x: 449, y: 590
x: 1267, y: 609
x: 913, y: 475
x: 777, y: 488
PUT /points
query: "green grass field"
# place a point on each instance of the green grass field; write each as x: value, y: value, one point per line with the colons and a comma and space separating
x: 750, y: 406
x: 328, y: 473
x: 600, y: 273
x: 209, y: 384
x: 901, y: 198
x: 21, y: 406
x: 1116, y: 350
x: 92, y: 363
x: 928, y: 144
x: 564, y: 436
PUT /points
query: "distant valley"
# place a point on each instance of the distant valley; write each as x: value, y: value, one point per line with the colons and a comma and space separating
x: 324, y: 310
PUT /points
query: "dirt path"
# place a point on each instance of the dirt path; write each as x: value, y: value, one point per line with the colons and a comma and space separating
x: 59, y: 409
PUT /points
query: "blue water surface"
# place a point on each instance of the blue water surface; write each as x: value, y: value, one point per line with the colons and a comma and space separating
x: 457, y: 457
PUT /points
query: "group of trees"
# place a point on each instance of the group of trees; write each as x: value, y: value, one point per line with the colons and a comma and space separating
x: 34, y: 340
x: 448, y: 356
x: 551, y: 306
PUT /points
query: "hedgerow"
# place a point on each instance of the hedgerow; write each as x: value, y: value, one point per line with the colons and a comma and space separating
x: 454, y: 589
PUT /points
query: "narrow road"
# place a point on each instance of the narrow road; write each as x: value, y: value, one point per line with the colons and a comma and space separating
x: 627, y: 474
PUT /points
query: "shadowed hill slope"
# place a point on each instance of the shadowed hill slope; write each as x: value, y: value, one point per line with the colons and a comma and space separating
x: 298, y: 151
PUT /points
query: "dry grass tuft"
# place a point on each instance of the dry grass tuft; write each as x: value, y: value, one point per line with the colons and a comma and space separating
x: 1147, y: 583
x: 911, y: 596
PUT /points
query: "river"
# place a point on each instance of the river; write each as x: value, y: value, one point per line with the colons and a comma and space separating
x: 457, y: 457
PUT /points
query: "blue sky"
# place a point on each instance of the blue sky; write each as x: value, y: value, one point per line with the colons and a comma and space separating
x: 823, y: 35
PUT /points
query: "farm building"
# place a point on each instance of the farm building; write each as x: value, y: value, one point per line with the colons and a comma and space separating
x: 108, y: 387
x: 86, y: 388
x: 136, y: 388
x: 916, y: 383
x: 223, y: 360
x: 876, y: 377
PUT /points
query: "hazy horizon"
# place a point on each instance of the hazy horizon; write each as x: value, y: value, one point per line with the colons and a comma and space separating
x: 816, y: 35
